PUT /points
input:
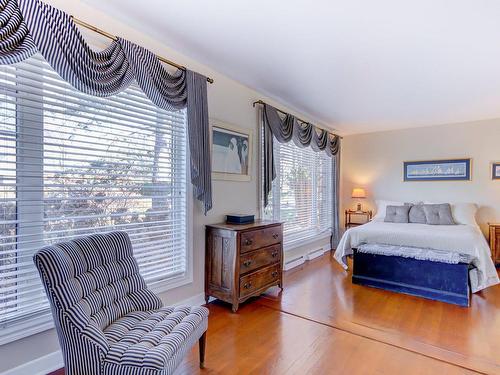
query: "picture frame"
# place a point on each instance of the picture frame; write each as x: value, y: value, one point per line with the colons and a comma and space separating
x: 495, y: 170
x: 231, y: 150
x: 438, y: 170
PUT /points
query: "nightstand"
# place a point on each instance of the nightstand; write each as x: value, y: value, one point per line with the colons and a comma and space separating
x: 350, y: 213
x: 495, y: 242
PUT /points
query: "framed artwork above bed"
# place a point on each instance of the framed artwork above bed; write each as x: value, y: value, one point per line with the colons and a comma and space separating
x: 437, y: 170
x: 495, y: 170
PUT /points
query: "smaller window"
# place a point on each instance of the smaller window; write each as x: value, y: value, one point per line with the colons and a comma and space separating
x: 301, y: 196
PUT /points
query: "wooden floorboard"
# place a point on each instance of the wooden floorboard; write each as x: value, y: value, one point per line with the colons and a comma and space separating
x: 322, y: 324
x: 466, y: 337
x: 261, y: 340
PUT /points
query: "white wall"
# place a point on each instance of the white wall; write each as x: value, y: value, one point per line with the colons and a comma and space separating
x: 230, y: 102
x: 375, y: 161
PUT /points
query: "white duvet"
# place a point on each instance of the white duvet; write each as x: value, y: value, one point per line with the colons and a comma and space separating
x: 463, y: 239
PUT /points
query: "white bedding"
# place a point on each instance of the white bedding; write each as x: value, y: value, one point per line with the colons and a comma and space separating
x: 463, y: 239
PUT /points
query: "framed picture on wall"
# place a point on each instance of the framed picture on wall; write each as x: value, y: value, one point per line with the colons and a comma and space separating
x: 437, y: 170
x: 495, y: 170
x: 231, y: 152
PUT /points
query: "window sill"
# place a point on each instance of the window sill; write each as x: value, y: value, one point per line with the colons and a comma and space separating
x: 175, y: 282
x: 43, y: 322
x: 26, y: 327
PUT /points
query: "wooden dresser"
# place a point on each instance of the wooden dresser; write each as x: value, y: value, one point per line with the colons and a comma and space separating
x: 495, y: 242
x: 242, y: 261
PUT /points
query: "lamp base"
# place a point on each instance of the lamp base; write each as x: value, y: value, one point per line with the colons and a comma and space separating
x: 358, y: 208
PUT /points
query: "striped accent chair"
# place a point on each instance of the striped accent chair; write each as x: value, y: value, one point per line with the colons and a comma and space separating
x: 107, y: 321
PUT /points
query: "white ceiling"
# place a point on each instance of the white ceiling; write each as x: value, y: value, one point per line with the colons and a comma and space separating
x: 354, y: 65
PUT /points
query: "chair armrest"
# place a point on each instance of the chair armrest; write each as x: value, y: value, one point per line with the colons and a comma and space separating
x: 145, y: 300
x: 80, y: 321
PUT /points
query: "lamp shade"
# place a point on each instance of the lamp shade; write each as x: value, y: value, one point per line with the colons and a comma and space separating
x: 358, y: 193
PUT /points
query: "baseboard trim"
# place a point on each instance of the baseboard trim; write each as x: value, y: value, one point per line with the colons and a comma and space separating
x: 196, y: 300
x: 54, y: 361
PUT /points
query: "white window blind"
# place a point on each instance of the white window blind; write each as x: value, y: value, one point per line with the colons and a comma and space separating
x: 301, y: 195
x: 73, y: 164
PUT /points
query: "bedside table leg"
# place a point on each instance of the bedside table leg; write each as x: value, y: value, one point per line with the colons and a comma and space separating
x: 207, y: 298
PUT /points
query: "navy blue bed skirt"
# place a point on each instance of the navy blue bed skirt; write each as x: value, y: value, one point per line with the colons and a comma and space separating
x: 433, y: 280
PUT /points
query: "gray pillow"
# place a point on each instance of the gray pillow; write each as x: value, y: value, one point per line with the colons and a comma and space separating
x: 396, y: 214
x: 438, y: 214
x: 417, y: 214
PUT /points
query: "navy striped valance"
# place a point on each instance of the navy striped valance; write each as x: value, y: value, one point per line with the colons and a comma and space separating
x: 15, y: 42
x: 31, y: 26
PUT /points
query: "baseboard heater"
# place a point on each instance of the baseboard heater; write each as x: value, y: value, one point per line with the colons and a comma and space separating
x: 301, y: 259
x: 315, y: 253
x: 295, y: 262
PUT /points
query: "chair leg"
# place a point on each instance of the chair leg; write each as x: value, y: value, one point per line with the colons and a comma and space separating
x: 201, y: 343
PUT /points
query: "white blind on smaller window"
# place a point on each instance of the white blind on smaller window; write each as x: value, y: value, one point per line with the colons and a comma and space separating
x: 302, y: 192
x: 73, y: 164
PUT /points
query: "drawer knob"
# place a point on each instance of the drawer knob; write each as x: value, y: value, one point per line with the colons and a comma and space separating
x: 274, y: 274
x: 247, y: 285
x: 274, y: 254
x: 275, y: 235
x: 248, y: 241
x: 247, y: 263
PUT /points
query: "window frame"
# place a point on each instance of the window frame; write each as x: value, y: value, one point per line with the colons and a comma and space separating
x: 29, y: 324
x: 297, y: 240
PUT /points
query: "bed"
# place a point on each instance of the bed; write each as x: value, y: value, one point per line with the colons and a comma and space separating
x: 440, y: 262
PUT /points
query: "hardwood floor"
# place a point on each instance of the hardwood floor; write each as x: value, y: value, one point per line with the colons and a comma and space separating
x: 322, y: 324
x: 469, y: 337
x: 261, y: 340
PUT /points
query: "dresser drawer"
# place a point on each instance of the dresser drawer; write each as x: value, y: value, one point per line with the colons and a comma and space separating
x: 495, y: 243
x: 259, y: 238
x: 259, y: 279
x: 496, y: 250
x: 258, y: 258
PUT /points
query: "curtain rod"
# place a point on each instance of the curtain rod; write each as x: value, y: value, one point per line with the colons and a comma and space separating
x: 113, y: 37
x: 285, y: 113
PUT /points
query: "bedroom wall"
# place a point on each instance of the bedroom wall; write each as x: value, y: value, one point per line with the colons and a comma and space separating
x: 229, y: 101
x: 375, y: 161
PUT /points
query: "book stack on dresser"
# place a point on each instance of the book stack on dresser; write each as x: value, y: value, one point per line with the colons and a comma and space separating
x: 243, y: 261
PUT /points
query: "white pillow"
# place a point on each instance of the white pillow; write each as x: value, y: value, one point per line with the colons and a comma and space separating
x: 463, y: 213
x: 381, y: 208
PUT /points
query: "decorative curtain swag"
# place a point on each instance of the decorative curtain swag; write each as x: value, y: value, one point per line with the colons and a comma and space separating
x: 57, y: 38
x: 33, y: 26
x: 15, y: 42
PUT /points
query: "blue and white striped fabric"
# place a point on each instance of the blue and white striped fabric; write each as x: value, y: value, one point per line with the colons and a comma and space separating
x: 166, y: 90
x: 199, y: 138
x: 107, y: 321
x: 15, y: 43
x: 53, y: 33
x: 58, y: 39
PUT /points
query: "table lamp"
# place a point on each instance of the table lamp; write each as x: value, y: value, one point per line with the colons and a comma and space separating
x: 358, y: 193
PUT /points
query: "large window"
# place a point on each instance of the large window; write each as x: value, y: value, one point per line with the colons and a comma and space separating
x: 301, y: 196
x: 73, y: 164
